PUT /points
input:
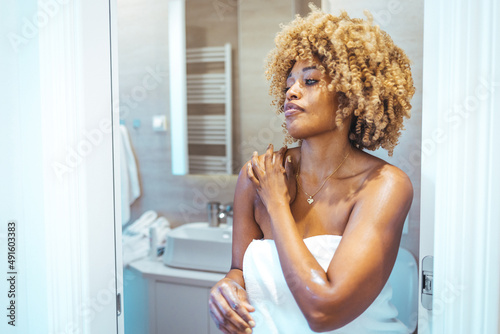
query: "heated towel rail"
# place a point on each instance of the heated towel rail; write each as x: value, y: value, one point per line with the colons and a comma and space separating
x: 206, y: 131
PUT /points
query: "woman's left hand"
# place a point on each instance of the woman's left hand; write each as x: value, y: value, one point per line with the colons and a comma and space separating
x: 273, y: 177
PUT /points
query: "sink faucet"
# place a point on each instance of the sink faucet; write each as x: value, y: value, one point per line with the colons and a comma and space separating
x: 216, y: 212
x: 227, y: 212
x: 213, y: 209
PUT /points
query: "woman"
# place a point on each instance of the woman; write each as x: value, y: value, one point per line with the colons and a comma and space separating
x: 317, y: 228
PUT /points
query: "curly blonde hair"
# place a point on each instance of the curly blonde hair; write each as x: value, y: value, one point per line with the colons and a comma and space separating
x: 370, y: 74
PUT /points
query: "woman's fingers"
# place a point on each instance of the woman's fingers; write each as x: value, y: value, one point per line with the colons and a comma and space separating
x: 215, y: 313
x: 258, y: 167
x: 246, y: 303
x: 280, y: 156
x: 291, y: 181
x: 225, y: 326
x: 242, y: 295
x: 237, y: 305
x: 289, y: 167
x: 251, y: 175
x: 269, y: 157
x: 227, y: 310
x: 226, y: 318
x: 267, y: 163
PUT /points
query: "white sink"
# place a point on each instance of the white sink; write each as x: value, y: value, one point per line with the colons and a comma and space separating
x: 200, y: 247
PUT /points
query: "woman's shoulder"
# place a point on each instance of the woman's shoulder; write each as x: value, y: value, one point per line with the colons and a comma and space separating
x: 383, y: 177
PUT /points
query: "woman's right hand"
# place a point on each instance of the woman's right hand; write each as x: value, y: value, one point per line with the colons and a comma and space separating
x: 229, y: 307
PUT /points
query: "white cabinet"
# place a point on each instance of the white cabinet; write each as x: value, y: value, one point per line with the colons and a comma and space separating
x: 182, y: 308
x: 178, y: 299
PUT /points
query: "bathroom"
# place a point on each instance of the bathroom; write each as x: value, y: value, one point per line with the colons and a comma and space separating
x: 141, y: 91
x: 144, y: 53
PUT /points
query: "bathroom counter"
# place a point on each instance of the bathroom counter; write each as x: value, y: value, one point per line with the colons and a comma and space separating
x: 157, y: 270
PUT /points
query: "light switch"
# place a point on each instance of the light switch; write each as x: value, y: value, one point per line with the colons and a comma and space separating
x: 136, y: 123
x: 160, y: 123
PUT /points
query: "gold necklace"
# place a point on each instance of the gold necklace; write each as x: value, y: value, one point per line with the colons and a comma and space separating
x: 310, y: 200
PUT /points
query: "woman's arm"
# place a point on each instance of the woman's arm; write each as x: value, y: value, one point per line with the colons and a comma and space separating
x: 228, y: 301
x: 364, y: 259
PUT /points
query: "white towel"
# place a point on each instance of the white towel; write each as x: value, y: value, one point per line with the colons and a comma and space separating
x: 277, y: 312
x: 136, y: 238
x: 130, y: 188
x: 141, y: 225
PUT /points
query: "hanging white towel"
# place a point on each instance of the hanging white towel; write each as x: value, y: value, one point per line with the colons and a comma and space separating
x: 130, y: 188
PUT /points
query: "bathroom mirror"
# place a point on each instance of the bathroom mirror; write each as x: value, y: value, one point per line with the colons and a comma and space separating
x: 219, y: 106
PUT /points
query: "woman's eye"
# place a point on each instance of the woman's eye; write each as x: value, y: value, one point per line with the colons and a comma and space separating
x: 310, y: 82
x: 286, y: 89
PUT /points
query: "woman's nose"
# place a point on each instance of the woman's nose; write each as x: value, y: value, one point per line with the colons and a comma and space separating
x: 294, y: 92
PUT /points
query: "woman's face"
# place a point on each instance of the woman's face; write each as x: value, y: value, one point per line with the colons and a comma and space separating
x: 309, y: 108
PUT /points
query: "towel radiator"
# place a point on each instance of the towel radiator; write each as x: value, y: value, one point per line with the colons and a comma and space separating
x: 211, y: 131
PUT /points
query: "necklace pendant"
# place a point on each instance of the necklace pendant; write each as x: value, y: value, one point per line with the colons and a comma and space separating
x: 310, y: 200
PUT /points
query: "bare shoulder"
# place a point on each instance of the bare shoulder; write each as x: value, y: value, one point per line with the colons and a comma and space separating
x: 384, y: 187
x: 244, y: 183
x: 381, y: 176
x: 385, y: 197
x: 389, y: 178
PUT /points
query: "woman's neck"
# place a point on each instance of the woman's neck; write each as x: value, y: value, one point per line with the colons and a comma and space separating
x: 320, y: 155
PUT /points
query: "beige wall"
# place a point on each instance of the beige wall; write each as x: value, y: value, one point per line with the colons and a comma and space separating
x: 403, y: 21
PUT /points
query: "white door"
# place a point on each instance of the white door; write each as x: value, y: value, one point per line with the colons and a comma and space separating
x: 460, y: 183
x: 57, y: 167
x: 426, y: 242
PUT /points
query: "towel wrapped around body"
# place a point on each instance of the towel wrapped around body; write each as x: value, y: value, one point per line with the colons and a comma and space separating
x: 276, y: 310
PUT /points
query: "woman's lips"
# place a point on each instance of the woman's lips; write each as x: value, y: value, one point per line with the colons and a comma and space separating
x: 292, y: 109
x: 292, y: 112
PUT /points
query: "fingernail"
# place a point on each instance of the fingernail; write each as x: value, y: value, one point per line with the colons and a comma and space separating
x: 269, y: 146
x: 251, y: 323
x: 289, y: 158
x: 248, y: 330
